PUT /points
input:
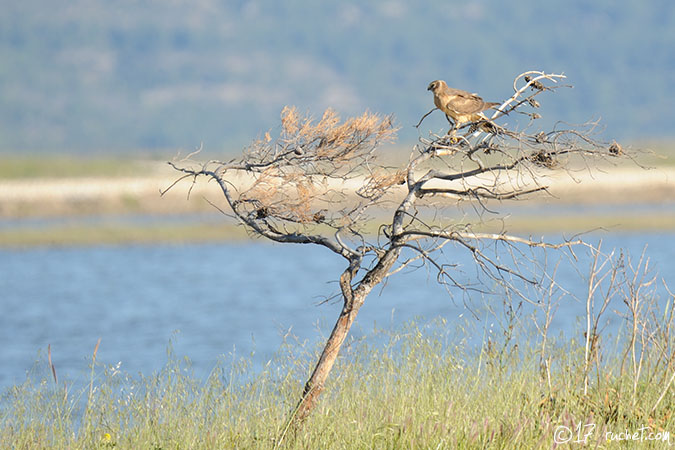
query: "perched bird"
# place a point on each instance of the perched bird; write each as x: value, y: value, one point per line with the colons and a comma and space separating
x: 463, y: 107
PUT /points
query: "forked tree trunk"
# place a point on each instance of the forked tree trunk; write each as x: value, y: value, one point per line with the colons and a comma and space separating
x: 315, y: 384
x: 353, y: 300
x: 316, y: 381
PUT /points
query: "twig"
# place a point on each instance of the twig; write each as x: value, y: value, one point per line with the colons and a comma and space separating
x: 424, y: 117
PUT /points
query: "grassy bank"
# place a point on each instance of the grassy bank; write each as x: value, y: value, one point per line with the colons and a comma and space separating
x: 62, y: 188
x: 422, y: 387
x: 113, y: 234
x: 192, y: 231
x: 16, y: 167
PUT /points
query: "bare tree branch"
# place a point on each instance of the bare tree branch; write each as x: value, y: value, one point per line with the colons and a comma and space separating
x: 320, y: 182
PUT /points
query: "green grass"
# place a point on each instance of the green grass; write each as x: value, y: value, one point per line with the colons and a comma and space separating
x: 119, y: 233
x: 420, y: 388
x: 67, y: 166
x: 656, y: 153
x: 582, y: 223
x: 111, y: 234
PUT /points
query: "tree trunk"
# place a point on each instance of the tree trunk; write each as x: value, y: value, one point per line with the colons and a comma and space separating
x: 353, y: 300
x: 315, y: 384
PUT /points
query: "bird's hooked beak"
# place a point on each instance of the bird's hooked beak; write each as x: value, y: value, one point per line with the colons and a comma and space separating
x: 431, y: 86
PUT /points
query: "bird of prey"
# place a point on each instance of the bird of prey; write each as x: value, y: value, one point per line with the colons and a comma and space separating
x: 463, y: 107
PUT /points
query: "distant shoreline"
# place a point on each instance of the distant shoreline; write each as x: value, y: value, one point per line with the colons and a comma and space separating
x: 110, y: 198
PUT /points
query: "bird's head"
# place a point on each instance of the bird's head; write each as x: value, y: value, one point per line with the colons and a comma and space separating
x: 434, y: 85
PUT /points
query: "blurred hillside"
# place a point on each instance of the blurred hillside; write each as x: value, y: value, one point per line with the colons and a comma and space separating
x: 94, y: 75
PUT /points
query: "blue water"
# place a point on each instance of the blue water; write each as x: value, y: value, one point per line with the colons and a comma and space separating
x: 215, y: 300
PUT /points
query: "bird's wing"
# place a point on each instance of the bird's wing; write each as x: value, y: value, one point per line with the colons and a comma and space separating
x: 466, y: 103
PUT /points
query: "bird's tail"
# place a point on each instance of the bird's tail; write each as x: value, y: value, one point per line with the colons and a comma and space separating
x: 485, y: 124
x: 490, y: 127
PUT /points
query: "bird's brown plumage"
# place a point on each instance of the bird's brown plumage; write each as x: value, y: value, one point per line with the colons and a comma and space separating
x: 463, y: 107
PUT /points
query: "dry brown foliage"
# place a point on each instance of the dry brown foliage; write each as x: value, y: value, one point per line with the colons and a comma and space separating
x: 300, y: 176
x: 305, y: 177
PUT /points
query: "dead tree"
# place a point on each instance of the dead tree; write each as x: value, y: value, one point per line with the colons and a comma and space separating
x: 319, y: 182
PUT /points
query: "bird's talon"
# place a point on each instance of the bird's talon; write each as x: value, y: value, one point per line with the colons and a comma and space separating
x: 452, y: 139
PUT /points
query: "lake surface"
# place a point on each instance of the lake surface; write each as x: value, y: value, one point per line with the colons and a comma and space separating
x: 211, y: 301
